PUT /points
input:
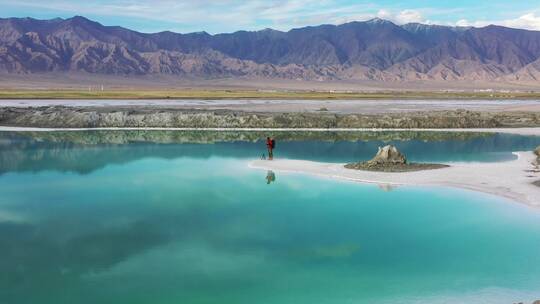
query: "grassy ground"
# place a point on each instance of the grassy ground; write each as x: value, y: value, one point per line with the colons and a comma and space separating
x: 244, y: 94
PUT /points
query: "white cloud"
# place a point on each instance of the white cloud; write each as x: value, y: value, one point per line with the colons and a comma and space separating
x: 229, y: 15
x: 402, y: 17
x: 528, y: 21
x: 222, y: 15
x: 462, y: 22
x: 466, y: 23
x: 384, y: 14
x: 409, y: 16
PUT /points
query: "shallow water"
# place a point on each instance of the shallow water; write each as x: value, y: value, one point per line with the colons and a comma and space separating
x: 191, y: 223
x: 84, y: 152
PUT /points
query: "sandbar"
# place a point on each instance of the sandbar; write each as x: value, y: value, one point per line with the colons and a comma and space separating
x: 509, y: 179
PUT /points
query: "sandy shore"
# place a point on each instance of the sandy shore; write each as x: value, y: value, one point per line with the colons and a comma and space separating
x: 516, y: 131
x: 512, y: 179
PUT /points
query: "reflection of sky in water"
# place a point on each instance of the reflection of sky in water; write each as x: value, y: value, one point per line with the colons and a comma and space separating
x: 24, y: 153
x: 211, y: 230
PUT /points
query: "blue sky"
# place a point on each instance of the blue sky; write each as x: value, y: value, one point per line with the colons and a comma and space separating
x: 216, y: 16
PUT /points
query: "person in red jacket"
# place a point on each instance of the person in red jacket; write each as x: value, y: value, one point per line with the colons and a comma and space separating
x: 270, y: 144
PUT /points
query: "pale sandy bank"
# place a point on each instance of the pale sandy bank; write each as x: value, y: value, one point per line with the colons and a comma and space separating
x: 511, y: 179
x: 364, y: 106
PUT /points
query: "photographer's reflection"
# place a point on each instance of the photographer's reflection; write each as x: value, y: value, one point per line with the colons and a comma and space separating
x: 270, y: 177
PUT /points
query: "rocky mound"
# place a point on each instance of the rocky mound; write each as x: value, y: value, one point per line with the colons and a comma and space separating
x: 388, y: 155
x: 537, y: 152
x: 390, y: 159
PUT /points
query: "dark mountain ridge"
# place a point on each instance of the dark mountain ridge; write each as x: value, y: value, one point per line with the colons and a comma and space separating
x: 376, y: 49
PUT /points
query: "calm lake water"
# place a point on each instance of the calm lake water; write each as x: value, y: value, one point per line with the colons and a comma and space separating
x: 161, y: 217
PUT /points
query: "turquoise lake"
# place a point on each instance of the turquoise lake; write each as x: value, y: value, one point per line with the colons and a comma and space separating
x: 177, y: 217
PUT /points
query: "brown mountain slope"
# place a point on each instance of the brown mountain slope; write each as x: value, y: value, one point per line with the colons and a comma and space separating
x: 373, y: 50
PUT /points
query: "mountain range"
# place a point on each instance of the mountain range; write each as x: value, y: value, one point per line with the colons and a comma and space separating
x: 372, y: 50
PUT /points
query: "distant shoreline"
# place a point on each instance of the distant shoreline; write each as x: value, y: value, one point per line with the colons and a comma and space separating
x: 122, y: 94
x: 266, y: 114
x: 515, y: 131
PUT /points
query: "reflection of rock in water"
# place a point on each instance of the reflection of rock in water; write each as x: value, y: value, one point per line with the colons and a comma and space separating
x: 387, y: 187
x: 270, y: 177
